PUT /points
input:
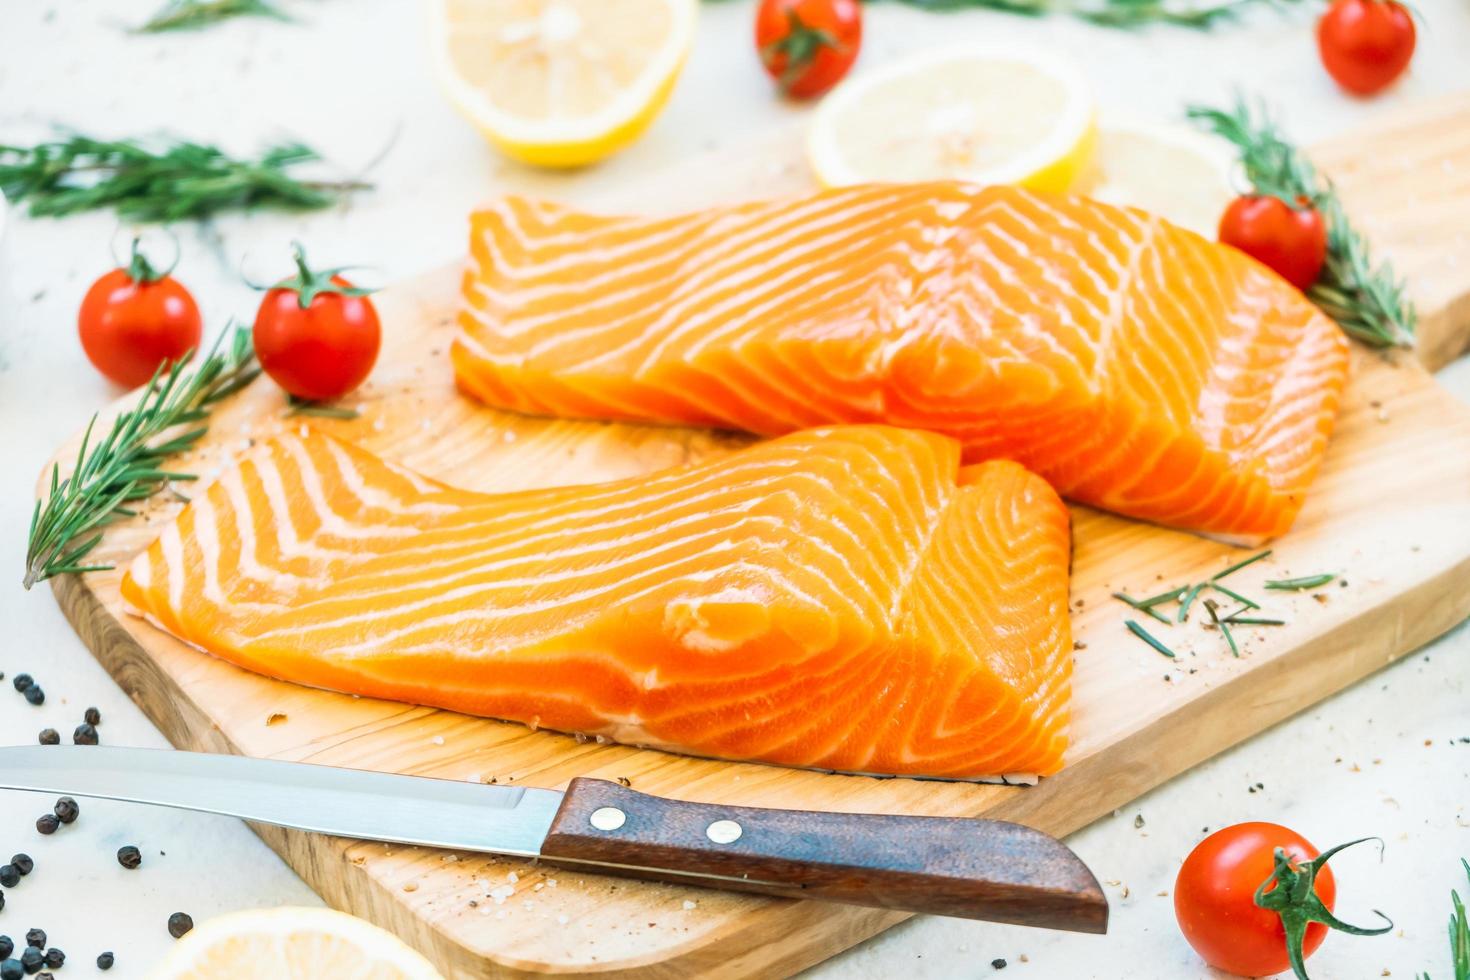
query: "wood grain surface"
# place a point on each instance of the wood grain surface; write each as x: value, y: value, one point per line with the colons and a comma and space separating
x: 1390, y: 513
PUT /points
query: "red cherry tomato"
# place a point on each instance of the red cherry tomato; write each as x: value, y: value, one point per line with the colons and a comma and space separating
x: 134, y: 321
x: 807, y: 46
x: 1292, y: 241
x: 1365, y: 44
x: 1214, y: 899
x: 316, y: 335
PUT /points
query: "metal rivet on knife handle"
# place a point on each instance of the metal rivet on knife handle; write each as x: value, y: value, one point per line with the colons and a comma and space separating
x: 611, y: 818
x: 723, y: 832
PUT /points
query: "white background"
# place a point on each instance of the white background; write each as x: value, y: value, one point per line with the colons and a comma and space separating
x: 348, y: 79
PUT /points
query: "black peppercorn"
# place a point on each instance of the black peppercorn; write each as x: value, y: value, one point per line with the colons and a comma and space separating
x: 11, y: 970
x: 50, y: 736
x: 7, y: 946
x: 105, y: 961
x: 24, y: 864
x: 2, y: 901
x: 129, y: 856
x: 47, y: 823
x: 9, y: 876
x: 92, y: 716
x: 35, y: 938
x: 54, y: 958
x: 35, y: 695
x: 179, y: 923
x: 23, y: 681
x: 85, y: 734
x: 44, y: 975
x: 32, y: 959
x: 66, y: 810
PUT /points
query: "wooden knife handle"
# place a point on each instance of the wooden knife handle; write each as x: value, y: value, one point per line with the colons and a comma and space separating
x: 978, y: 869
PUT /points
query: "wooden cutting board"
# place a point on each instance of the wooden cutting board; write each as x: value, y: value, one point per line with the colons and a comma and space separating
x: 1390, y: 512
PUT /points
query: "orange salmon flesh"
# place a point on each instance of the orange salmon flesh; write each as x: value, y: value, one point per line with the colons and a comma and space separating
x: 1136, y: 366
x: 850, y: 598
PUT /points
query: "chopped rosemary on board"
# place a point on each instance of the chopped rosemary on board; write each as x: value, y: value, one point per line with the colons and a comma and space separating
x: 160, y: 180
x: 1366, y: 299
x: 190, y: 15
x: 1148, y: 638
x: 126, y: 465
x: 1298, y: 584
x: 1186, y: 595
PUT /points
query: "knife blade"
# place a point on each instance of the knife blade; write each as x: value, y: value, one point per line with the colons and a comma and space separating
x: 971, y: 868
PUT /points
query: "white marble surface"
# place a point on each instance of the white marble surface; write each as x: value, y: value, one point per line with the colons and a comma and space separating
x: 351, y: 77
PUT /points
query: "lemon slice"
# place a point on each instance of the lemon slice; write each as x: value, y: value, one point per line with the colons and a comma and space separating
x: 981, y: 114
x: 561, y: 83
x: 292, y: 944
x: 1176, y: 172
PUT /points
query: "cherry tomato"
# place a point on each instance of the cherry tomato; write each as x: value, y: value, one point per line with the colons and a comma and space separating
x: 1214, y: 899
x: 316, y: 335
x: 135, y: 320
x: 1365, y: 44
x: 808, y: 45
x: 1292, y: 241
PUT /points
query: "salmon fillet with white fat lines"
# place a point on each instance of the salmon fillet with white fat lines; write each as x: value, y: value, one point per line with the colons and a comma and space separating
x: 849, y: 598
x: 1138, y: 367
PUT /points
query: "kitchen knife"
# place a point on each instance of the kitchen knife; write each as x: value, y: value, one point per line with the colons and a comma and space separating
x: 976, y: 869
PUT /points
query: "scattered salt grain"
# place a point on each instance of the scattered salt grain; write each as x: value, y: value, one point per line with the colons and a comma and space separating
x: 689, y: 905
x: 379, y: 425
x: 438, y: 740
x: 550, y: 882
x: 528, y: 905
x: 562, y: 920
x: 512, y: 877
x: 508, y: 437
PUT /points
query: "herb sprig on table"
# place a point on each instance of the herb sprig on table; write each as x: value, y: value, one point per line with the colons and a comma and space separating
x: 190, y: 15
x: 160, y: 180
x: 1459, y: 934
x: 126, y: 465
x: 1125, y: 14
x: 1365, y: 298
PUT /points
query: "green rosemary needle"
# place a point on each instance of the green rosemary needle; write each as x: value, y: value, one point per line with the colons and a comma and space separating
x: 1299, y: 584
x: 189, y: 15
x: 160, y: 180
x: 1244, y: 562
x: 1148, y: 638
x: 127, y: 464
x: 1366, y: 299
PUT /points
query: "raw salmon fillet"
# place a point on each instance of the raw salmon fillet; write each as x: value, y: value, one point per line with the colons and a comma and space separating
x: 1138, y: 367
x: 849, y: 598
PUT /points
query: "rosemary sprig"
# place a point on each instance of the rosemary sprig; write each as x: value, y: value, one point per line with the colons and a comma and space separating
x: 189, y: 15
x: 1247, y: 603
x: 1124, y: 14
x: 160, y: 180
x: 1366, y: 299
x: 127, y: 465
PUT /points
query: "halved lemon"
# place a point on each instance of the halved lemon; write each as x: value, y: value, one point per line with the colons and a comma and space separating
x: 561, y: 83
x: 990, y: 115
x: 1176, y: 172
x: 292, y: 944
